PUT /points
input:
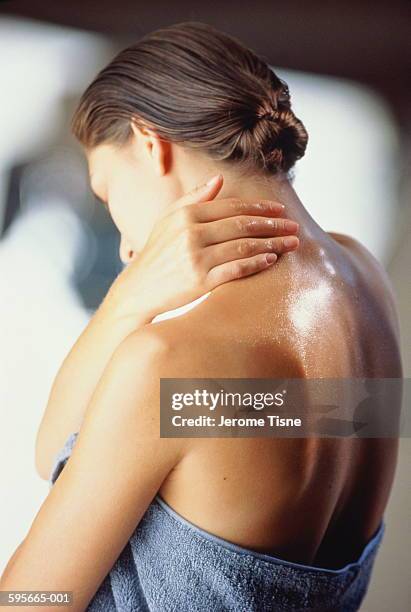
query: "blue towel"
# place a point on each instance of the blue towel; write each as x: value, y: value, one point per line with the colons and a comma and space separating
x: 171, y: 565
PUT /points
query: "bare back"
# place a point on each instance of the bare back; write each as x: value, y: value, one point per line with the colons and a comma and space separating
x: 324, y: 311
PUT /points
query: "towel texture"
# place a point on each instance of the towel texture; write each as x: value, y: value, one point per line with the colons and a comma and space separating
x: 171, y: 565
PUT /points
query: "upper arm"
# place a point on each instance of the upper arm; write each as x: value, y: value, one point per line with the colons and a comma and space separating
x: 117, y: 466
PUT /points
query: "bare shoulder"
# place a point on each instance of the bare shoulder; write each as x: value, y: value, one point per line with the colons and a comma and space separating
x: 362, y: 254
x: 372, y: 268
x: 168, y: 347
x: 221, y: 340
x: 352, y: 244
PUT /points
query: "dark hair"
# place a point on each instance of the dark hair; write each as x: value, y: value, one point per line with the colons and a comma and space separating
x: 201, y: 88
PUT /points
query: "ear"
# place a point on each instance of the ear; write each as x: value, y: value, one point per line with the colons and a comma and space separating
x: 157, y: 149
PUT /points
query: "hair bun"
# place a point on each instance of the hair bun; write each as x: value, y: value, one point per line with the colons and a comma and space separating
x: 273, y: 114
x: 280, y: 138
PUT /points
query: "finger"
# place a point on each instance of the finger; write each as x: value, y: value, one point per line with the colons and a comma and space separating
x: 238, y: 269
x: 244, y: 227
x: 200, y: 193
x: 217, y: 254
x: 231, y: 207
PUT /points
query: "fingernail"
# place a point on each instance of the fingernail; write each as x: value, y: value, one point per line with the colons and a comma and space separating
x: 290, y: 241
x: 270, y: 257
x: 215, y: 179
x: 291, y: 226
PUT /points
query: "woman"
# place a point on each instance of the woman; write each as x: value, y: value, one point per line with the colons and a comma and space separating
x: 207, y: 523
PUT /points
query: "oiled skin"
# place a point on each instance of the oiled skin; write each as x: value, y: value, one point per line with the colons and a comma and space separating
x: 325, y: 310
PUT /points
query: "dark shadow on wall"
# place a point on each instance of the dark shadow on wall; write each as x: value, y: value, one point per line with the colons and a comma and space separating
x: 58, y: 175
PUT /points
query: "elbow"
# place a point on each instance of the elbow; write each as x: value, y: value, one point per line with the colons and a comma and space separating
x: 42, y: 470
x: 41, y: 463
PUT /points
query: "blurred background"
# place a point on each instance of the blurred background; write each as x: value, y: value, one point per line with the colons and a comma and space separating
x: 349, y: 74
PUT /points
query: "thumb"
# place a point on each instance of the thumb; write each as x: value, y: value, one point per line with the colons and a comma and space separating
x: 201, y: 193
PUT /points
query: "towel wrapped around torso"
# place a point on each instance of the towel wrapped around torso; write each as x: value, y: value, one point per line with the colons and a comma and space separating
x: 171, y: 565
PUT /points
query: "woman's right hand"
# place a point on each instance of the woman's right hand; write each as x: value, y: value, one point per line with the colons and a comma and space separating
x: 198, y: 244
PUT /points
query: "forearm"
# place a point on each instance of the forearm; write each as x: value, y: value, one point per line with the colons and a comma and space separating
x: 79, y: 374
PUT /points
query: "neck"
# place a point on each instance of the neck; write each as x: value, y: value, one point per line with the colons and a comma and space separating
x: 253, y: 187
